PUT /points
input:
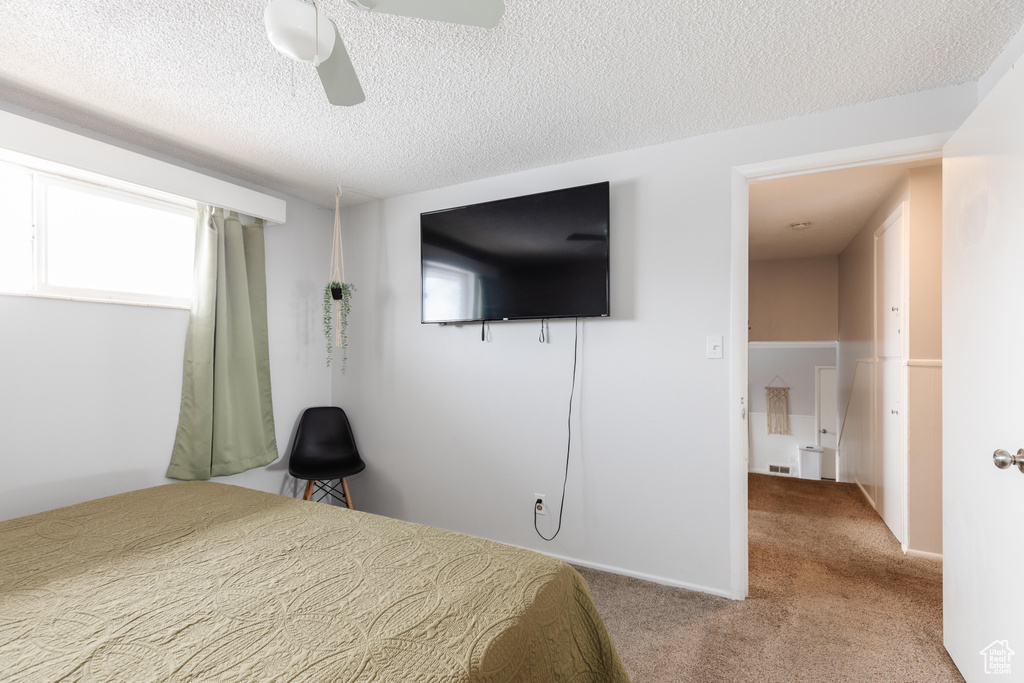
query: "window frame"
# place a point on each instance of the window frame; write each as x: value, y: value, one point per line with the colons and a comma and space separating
x: 45, y: 175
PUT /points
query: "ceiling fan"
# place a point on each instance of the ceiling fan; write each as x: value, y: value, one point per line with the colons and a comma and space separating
x: 299, y: 29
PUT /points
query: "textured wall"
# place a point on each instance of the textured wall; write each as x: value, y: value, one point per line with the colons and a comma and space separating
x: 446, y: 104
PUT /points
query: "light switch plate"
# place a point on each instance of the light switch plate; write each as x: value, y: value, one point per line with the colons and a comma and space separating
x: 714, y: 346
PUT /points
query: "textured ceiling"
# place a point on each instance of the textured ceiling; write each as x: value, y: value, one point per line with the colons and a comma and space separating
x: 836, y: 203
x: 555, y: 81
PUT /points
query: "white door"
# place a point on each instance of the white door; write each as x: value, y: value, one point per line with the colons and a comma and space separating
x: 983, y: 384
x: 825, y: 384
x: 890, y: 455
x: 890, y: 462
x: 889, y: 286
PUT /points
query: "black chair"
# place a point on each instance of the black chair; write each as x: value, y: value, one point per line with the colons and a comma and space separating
x: 325, y: 450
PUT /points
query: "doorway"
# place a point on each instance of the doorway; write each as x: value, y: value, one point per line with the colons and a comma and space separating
x: 911, y: 150
x: 803, y: 231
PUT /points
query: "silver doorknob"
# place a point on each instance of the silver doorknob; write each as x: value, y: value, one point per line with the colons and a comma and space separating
x: 1003, y: 460
x: 824, y: 431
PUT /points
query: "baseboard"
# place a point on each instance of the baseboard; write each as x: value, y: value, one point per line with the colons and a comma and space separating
x: 640, y: 575
x: 920, y: 553
x: 866, y: 496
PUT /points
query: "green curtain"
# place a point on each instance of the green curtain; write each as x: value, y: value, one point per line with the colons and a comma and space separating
x: 226, y: 419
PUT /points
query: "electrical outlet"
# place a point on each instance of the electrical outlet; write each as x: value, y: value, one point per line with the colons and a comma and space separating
x: 540, y: 508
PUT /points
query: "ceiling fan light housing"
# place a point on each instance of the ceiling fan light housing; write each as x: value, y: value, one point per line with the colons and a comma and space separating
x: 291, y: 25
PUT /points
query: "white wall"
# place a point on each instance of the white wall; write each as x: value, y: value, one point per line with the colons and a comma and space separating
x: 778, y: 449
x: 89, y: 392
x: 794, y: 365
x: 460, y: 434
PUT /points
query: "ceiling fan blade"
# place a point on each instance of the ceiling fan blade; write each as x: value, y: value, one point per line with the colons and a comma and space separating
x: 483, y: 13
x: 339, y: 76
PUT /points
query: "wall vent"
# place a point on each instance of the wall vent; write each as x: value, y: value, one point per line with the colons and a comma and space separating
x: 779, y: 469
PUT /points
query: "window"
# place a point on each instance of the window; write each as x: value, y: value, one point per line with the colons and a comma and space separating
x: 69, y: 238
x: 449, y: 293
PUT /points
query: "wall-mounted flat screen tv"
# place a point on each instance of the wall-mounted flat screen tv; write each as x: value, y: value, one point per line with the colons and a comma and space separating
x: 539, y: 256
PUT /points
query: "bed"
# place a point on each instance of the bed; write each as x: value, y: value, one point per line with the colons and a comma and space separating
x: 208, y: 582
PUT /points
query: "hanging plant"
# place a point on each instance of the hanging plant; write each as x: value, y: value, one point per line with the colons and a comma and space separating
x: 337, y: 295
x: 337, y: 305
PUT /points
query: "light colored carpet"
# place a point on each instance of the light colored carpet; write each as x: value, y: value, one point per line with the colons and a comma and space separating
x: 832, y: 598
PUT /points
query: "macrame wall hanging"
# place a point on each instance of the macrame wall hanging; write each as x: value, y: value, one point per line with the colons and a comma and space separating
x: 337, y: 295
x: 778, y: 408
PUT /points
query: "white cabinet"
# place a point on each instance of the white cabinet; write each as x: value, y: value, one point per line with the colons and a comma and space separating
x: 890, y: 446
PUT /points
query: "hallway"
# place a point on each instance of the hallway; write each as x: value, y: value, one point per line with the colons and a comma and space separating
x: 832, y: 598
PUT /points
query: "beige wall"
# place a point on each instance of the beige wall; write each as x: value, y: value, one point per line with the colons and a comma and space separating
x: 925, y: 283
x: 924, y: 378
x: 924, y: 458
x: 794, y: 299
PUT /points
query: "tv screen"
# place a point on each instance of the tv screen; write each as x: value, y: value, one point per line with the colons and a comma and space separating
x: 539, y: 256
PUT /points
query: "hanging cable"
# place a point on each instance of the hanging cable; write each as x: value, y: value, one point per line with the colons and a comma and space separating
x: 568, y: 441
x: 542, y: 338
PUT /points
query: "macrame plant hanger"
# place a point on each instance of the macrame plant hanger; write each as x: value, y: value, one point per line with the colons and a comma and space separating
x: 778, y: 407
x: 337, y: 263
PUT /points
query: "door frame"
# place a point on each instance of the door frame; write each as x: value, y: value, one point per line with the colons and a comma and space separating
x: 817, y: 408
x: 893, y: 151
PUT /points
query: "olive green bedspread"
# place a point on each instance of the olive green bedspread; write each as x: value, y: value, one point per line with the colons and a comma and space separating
x: 215, y: 583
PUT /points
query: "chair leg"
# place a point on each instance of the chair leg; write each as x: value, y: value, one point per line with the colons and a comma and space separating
x: 348, y: 496
x: 308, y: 495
